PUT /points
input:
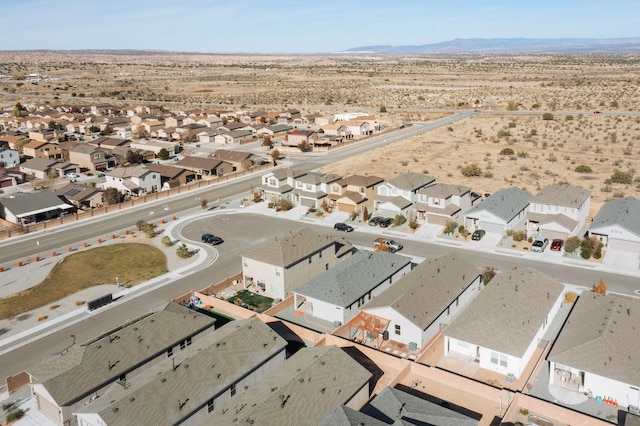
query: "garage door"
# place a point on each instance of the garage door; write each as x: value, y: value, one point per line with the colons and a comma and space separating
x: 491, y: 227
x: 631, y: 246
x: 552, y: 235
x: 349, y: 208
x: 437, y: 219
x: 388, y: 213
x: 307, y: 202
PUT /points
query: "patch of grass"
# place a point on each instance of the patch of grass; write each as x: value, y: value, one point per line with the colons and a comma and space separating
x: 132, y: 263
x: 252, y: 299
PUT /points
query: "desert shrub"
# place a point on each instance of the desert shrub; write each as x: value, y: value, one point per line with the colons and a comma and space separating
x: 503, y: 133
x: 183, y: 251
x: 463, y: 231
x: 570, y: 297
x: 622, y: 177
x: 507, y: 151
x: 471, y: 170
x: 399, y: 220
x: 413, y: 224
x: 600, y: 287
x: 166, y: 241
x: 583, y: 168
x: 571, y: 244
x: 354, y: 215
x: 283, y: 205
x: 585, y: 253
x: 568, y: 117
x: 450, y: 226
x: 547, y: 116
x: 597, y: 253
x: 519, y: 235
x: 488, y: 272
x: 15, y: 415
x: 524, y: 411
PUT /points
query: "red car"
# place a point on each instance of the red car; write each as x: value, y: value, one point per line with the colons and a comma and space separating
x: 556, y: 245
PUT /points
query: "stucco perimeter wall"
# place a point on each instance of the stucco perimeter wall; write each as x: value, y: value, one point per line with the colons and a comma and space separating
x: 549, y: 411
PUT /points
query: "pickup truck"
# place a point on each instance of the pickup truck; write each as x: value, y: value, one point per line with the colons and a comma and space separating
x: 393, y: 245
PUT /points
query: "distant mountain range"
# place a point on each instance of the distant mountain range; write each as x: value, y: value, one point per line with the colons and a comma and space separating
x: 511, y: 45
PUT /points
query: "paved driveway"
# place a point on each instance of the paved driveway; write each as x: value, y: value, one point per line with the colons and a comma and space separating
x: 621, y: 260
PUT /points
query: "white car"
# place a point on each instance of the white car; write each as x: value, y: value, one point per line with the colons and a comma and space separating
x: 72, y: 175
x: 539, y: 244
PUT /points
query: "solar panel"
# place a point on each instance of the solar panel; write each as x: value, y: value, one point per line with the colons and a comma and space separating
x: 72, y: 192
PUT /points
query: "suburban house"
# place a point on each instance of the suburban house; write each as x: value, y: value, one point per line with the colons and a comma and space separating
x: 503, y: 326
x: 443, y: 202
x: 278, y: 185
x: 234, y: 137
x: 196, y: 384
x: 358, y: 127
x: 278, y: 266
x: 81, y: 196
x: 499, y: 212
x: 396, y: 195
x: 352, y: 193
x: 298, y: 136
x: 171, y: 177
x: 396, y: 407
x: 238, y: 159
x: 275, y: 131
x: 43, y: 149
x: 425, y: 300
x: 69, y: 381
x: 135, y: 180
x: 337, y: 129
x: 25, y: 208
x: 558, y: 211
x: 43, y: 168
x: 10, y: 179
x: 205, y: 166
x: 109, y: 143
x: 310, y: 189
x: 593, y: 353
x: 303, y: 390
x: 617, y: 224
x: 337, y: 294
x: 90, y: 157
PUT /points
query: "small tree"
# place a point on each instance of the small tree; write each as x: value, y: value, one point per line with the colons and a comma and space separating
x: 399, y: 220
x: 413, y: 223
x: 305, y: 146
x: 547, y: 116
x: 163, y: 154
x: 107, y: 130
x: 275, y: 155
x: 600, y: 287
x: 365, y: 214
x: 166, y: 241
x: 382, y: 246
x: 450, y: 226
x: 113, y: 196
x: 383, y: 108
x: 570, y: 297
x: 203, y: 203
x: 283, y: 205
x: 183, y: 251
x: 471, y: 170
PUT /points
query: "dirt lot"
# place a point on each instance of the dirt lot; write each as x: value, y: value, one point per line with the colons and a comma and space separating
x: 571, y: 87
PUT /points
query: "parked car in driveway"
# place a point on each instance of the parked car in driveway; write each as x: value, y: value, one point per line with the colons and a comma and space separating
x: 72, y: 175
x: 374, y: 221
x: 478, y: 234
x: 211, y: 239
x: 556, y: 245
x: 392, y: 244
x: 539, y: 244
x: 340, y: 226
x: 385, y: 222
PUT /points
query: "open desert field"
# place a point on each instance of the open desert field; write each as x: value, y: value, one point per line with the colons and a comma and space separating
x: 570, y: 87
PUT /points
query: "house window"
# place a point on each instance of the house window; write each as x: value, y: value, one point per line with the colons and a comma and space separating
x: 96, y: 155
x: 183, y: 344
x: 362, y: 190
x: 188, y: 341
x: 277, y: 272
x: 210, y: 405
x: 498, y: 359
x: 233, y: 389
x: 244, y: 262
x: 397, y: 329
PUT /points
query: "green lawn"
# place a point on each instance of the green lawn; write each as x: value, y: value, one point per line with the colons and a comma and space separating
x: 252, y: 299
x: 132, y: 263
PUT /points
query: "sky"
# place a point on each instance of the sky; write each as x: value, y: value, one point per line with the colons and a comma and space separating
x: 282, y: 26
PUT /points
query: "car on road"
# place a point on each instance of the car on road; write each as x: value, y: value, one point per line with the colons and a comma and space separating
x: 385, y: 222
x: 597, y: 112
x: 374, y: 221
x: 340, y: 226
x: 539, y: 244
x: 478, y: 234
x: 211, y: 239
x: 556, y: 245
x: 392, y: 245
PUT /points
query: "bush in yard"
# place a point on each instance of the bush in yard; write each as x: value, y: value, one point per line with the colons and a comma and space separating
x: 471, y: 170
x: 413, y: 224
x: 519, y: 236
x: 487, y: 274
x: 183, y: 251
x: 283, y: 205
x: 450, y: 226
x: 572, y: 244
x: 597, y: 253
x: 399, y: 220
x: 166, y: 241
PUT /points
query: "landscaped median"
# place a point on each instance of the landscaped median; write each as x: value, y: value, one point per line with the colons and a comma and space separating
x: 131, y: 263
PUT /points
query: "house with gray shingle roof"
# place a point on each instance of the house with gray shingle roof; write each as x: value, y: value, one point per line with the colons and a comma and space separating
x: 596, y: 350
x: 66, y: 382
x: 196, y: 384
x: 442, y: 202
x: 280, y: 265
x: 25, y: 208
x: 502, y: 327
x: 396, y: 195
x: 499, y: 212
x: 429, y: 296
x: 91, y: 157
x: 278, y: 184
x: 310, y: 189
x: 352, y: 193
x: 395, y: 407
x: 135, y: 180
x: 337, y: 294
x: 80, y: 195
x: 204, y: 166
x: 306, y: 388
x: 558, y: 211
x: 617, y: 224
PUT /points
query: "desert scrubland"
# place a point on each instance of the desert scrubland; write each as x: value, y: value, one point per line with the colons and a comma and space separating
x: 510, y: 141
